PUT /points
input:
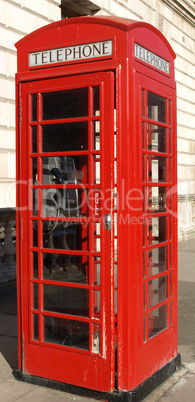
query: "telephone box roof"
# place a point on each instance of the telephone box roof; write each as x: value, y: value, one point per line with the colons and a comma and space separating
x: 120, y: 23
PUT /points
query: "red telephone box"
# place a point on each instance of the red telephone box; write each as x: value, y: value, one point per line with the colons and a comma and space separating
x: 97, y: 206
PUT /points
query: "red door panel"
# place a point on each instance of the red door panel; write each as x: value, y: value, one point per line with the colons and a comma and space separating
x: 65, y: 192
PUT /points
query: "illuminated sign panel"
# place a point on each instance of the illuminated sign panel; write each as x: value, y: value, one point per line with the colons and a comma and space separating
x: 151, y: 58
x: 71, y: 53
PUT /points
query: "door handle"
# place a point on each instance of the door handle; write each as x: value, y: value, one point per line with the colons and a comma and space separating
x: 107, y: 222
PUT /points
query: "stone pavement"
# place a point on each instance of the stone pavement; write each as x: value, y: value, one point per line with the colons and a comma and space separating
x: 178, y: 388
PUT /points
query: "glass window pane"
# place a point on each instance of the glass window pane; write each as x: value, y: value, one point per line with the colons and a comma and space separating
x: 143, y: 102
x: 65, y: 104
x: 157, y: 260
x: 96, y: 271
x: 35, y: 327
x: 65, y: 137
x: 96, y: 169
x: 170, y: 141
x: 65, y: 235
x: 144, y: 168
x: 156, y: 107
x: 96, y: 303
x: 66, y: 202
x: 156, y: 199
x: 96, y: 135
x: 74, y: 334
x: 97, y: 238
x: 35, y: 202
x: 34, y: 139
x: 157, y: 169
x: 157, y: 138
x: 143, y: 135
x: 66, y: 268
x: 35, y: 264
x: 34, y: 107
x: 35, y: 296
x: 35, y: 234
x: 96, y: 101
x: 157, y: 290
x: 34, y: 172
x: 170, y: 112
x: 65, y: 169
x: 66, y: 300
x: 157, y: 320
x: 96, y: 338
x: 157, y: 230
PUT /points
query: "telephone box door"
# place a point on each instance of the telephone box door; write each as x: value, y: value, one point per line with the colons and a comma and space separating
x: 66, y: 164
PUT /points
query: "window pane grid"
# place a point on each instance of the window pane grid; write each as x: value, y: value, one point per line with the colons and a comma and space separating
x: 157, y: 239
x: 44, y: 120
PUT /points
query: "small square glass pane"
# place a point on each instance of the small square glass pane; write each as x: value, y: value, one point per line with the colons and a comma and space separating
x: 156, y: 107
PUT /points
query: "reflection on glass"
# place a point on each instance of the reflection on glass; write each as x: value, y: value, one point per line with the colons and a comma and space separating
x: 96, y: 101
x: 157, y: 320
x: 65, y: 137
x: 157, y: 138
x: 156, y: 107
x: 96, y: 135
x: 65, y: 332
x: 156, y: 169
x: 157, y: 290
x: 65, y: 267
x: 34, y: 107
x: 96, y: 169
x: 157, y: 260
x: 156, y: 199
x: 65, y: 235
x: 116, y: 301
x: 65, y: 104
x: 96, y: 303
x: 97, y: 243
x: 96, y: 338
x: 35, y: 202
x: 35, y: 172
x: 116, y: 275
x: 66, y: 300
x: 157, y: 230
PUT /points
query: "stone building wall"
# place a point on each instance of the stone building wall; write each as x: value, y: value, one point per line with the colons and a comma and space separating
x: 175, y: 19
x: 17, y: 18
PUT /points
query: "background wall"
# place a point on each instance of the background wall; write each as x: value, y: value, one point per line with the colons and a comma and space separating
x: 17, y: 18
x: 175, y: 19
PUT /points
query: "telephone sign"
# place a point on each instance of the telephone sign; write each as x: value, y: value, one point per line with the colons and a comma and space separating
x: 71, y: 53
x: 96, y: 198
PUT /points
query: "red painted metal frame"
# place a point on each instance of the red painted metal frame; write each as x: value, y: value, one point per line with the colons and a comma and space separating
x: 37, y: 353
x: 136, y: 360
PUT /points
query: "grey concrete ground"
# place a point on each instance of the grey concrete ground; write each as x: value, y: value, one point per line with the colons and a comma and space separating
x: 178, y: 388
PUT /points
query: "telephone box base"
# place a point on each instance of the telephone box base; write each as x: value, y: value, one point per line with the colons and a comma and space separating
x: 135, y: 395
